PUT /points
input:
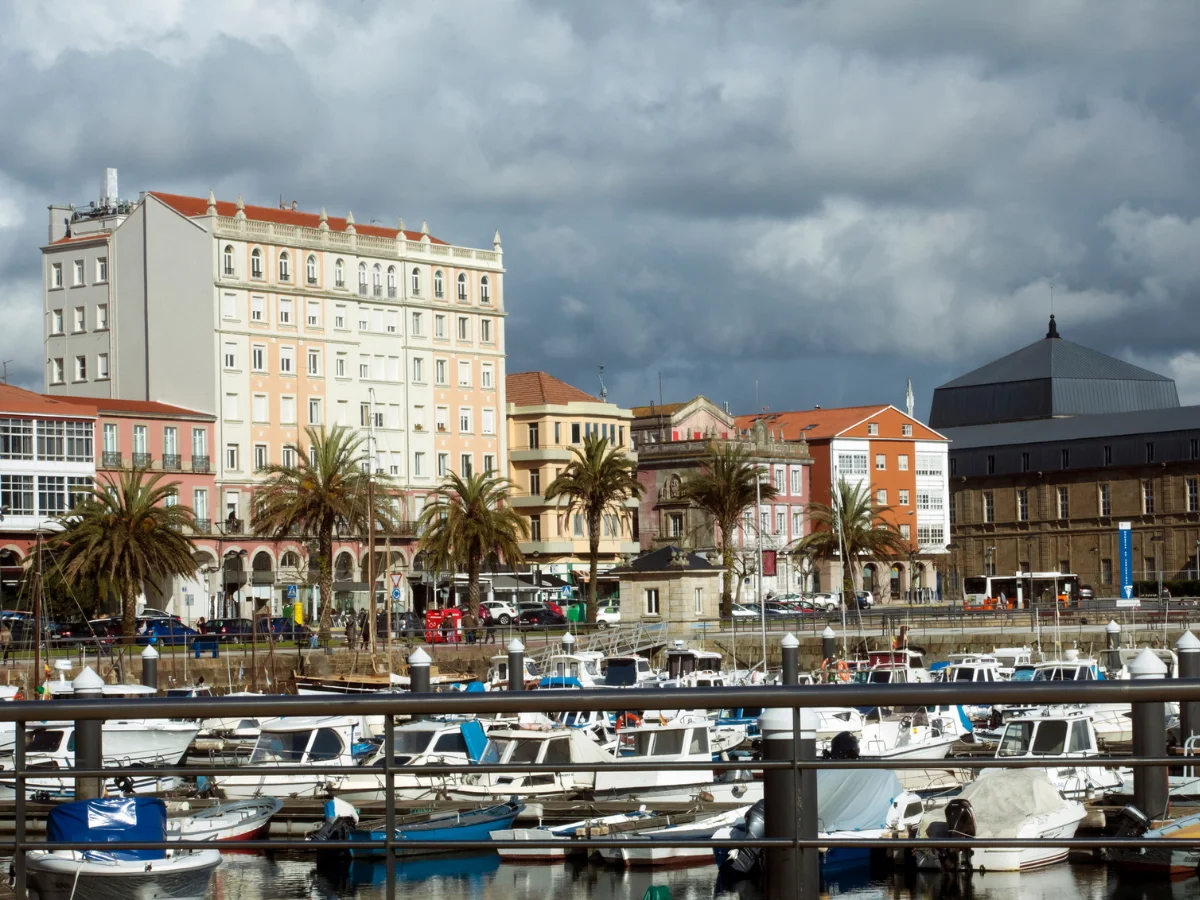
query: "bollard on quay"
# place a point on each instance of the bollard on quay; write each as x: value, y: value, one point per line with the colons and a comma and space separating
x: 418, y: 671
x: 791, y: 659
x: 1150, y: 789
x: 1188, y: 650
x: 791, y: 806
x: 516, y: 665
x: 1112, y: 634
x: 89, y: 736
x: 828, y: 644
x: 150, y: 667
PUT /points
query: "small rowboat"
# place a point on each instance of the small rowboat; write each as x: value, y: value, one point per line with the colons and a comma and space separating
x: 244, y: 820
x: 472, y: 825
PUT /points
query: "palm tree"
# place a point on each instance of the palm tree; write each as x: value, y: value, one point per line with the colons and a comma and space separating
x: 864, y: 531
x: 725, y: 489
x: 323, y: 492
x: 124, y: 534
x: 596, y: 483
x: 470, y: 522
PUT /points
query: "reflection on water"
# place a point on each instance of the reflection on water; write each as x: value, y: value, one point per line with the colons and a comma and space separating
x: 468, y: 877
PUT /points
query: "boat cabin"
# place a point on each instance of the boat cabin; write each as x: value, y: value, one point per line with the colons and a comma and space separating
x: 975, y: 671
x: 682, y: 739
x: 1116, y: 662
x: 1008, y: 658
x: 433, y: 741
x: 1049, y: 733
x: 584, y: 667
x: 1071, y: 668
x: 907, y: 659
x: 627, y: 671
x: 499, y: 672
x: 534, y: 746
x: 307, y: 739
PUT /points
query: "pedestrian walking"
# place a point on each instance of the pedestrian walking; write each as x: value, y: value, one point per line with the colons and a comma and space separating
x: 351, y: 633
x: 491, y: 630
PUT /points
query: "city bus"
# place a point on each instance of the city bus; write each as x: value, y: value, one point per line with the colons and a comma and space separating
x: 1020, y: 591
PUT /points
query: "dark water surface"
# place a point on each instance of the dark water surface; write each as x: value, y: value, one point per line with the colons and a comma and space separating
x: 484, y: 876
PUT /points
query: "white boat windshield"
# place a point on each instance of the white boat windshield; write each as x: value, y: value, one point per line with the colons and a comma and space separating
x: 412, y: 742
x: 46, y: 740
x: 280, y: 747
x: 1063, y: 673
x: 1049, y: 739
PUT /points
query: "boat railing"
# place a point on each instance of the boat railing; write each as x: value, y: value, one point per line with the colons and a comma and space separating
x: 789, y: 762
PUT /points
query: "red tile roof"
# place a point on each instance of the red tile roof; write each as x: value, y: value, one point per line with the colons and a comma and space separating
x: 830, y: 422
x: 138, y: 407
x: 78, y: 238
x: 665, y: 409
x: 542, y: 389
x: 20, y: 401
x: 198, y: 206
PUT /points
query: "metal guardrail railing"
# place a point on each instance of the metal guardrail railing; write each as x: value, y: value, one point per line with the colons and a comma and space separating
x: 391, y: 705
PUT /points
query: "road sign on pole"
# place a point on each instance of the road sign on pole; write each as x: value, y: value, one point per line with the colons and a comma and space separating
x: 292, y: 592
x: 1125, y: 542
x: 396, y: 578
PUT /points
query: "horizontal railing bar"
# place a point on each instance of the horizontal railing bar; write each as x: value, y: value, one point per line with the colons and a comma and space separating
x: 784, y: 696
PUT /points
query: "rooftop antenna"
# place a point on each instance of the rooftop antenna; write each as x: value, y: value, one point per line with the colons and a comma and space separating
x: 660, y: 403
x: 603, y: 389
x: 5, y: 364
x: 908, y: 398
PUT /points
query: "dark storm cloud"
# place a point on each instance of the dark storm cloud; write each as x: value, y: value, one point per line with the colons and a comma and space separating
x: 823, y: 197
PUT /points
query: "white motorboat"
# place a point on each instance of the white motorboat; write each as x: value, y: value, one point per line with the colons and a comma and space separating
x: 117, y: 874
x: 512, y: 843
x: 423, y: 742
x: 583, y: 667
x: 692, y: 828
x: 298, y: 741
x: 497, y: 679
x: 126, y: 744
x: 628, y: 671
x: 532, y: 745
x: 1165, y: 859
x: 682, y: 739
x: 973, y: 669
x: 1011, y: 657
x: 242, y: 820
x: 894, y: 667
x: 1061, y: 731
x: 905, y: 735
x: 1001, y: 803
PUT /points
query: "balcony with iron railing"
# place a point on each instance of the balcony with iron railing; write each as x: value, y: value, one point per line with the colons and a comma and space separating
x: 171, y: 462
x: 378, y: 291
x: 391, y: 293
x: 362, y: 290
x: 202, y: 526
x: 111, y: 459
x: 200, y: 464
x: 143, y: 460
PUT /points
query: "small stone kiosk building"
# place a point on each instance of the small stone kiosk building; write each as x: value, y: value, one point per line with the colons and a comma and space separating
x: 669, y: 585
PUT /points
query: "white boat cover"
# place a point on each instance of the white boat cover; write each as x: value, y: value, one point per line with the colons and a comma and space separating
x: 852, y: 800
x: 1003, y: 800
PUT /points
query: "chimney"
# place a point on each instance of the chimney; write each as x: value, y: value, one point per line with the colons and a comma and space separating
x: 908, y: 399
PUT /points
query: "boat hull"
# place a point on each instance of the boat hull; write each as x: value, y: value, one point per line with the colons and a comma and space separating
x: 1016, y: 859
x: 246, y: 820
x: 476, y: 825
x: 61, y: 876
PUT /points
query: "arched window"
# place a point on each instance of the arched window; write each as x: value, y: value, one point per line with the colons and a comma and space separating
x: 285, y: 267
x: 339, y: 274
x: 392, y: 281
x: 416, y: 282
x: 256, y: 263
x: 377, y: 280
x: 485, y: 290
x: 343, y: 569
x: 439, y: 288
x: 311, y: 269
x: 462, y: 287
x: 227, y: 259
x: 290, y: 560
x: 362, y: 279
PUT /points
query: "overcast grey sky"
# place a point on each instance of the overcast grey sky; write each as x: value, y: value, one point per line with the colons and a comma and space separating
x: 825, y: 197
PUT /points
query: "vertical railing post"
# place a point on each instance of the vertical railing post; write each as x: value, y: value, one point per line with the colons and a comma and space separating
x: 828, y: 647
x: 516, y: 665
x: 19, y: 811
x: 418, y: 672
x: 781, y: 816
x: 150, y: 667
x: 1150, y: 789
x: 1188, y: 650
x: 1112, y: 635
x: 389, y: 776
x: 89, y: 737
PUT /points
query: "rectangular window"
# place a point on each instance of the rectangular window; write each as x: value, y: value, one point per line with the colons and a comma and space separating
x: 1194, y: 449
x: 314, y: 362
x: 258, y: 408
x: 1148, y: 498
x: 56, y: 321
x: 872, y: 428
x: 989, y: 507
x: 929, y: 464
x: 260, y: 457
x: 906, y: 431
x: 314, y: 313
x: 906, y: 532
x: 80, y: 319
x: 651, y: 596
x: 881, y: 497
x: 79, y: 271
x: 230, y: 356
x: 485, y: 330
x: 797, y: 480
x: 1105, y: 500
x: 464, y: 373
x: 339, y: 316
x: 489, y: 463
x: 880, y: 461
x: 102, y: 317
x: 364, y: 415
x: 1108, y: 453
x: 1064, y: 507
x: 903, y: 497
x: 55, y: 282
x: 285, y: 312
x: 1066, y: 458
x: 288, y: 456
x: 51, y: 441
x: 343, y: 412
x: 56, y: 370
x: 488, y: 424
x: 1149, y: 451
x: 79, y: 441
x: 931, y: 536
x: 850, y: 464
x: 464, y: 420
x: 929, y: 500
x: 534, y: 435
x: 339, y: 366
x: 443, y: 465
x: 1023, y: 505
x: 441, y: 418
x: 440, y: 375
x: 902, y: 462
x: 699, y: 607
x: 231, y: 407
x: 464, y: 328
x: 575, y: 436
x: 1193, y: 495
x: 287, y: 360
x: 416, y: 324
x: 102, y: 366
x: 258, y: 309
x: 485, y: 376
x: 81, y: 368
x: 377, y: 320
x: 52, y: 495
x: 231, y: 457
x: 991, y: 464
x: 16, y: 494
x: 1025, y: 462
x: 1106, y: 571
x: 535, y: 481
x: 418, y: 369
x: 79, y: 487
x: 797, y: 523
x: 199, y: 442
x: 170, y: 441
x: 535, y: 528
x: 465, y: 465
x: 779, y: 479
x: 393, y: 416
x: 780, y: 521
x: 439, y: 326
x: 393, y: 368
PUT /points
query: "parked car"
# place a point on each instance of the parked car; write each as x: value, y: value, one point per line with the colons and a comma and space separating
x: 825, y: 600
x: 72, y: 633
x: 233, y: 630
x: 741, y: 611
x: 168, y: 632
x: 404, y: 624
x: 544, y: 617
x: 1086, y: 592
x: 504, y: 613
x: 608, y: 615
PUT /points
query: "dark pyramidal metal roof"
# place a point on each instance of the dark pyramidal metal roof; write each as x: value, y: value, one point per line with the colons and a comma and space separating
x: 1051, y: 377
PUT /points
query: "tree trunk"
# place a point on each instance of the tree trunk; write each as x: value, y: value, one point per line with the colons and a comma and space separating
x: 129, y: 594
x: 473, y: 587
x: 325, y: 544
x: 593, y: 562
x: 727, y: 575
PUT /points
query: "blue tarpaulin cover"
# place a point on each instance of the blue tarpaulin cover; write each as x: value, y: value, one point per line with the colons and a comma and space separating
x: 112, y: 819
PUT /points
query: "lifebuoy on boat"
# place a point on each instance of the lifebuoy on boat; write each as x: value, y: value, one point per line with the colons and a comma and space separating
x: 628, y: 720
x: 843, y: 671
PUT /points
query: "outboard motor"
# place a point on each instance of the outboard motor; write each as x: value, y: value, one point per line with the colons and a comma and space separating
x: 843, y: 746
x: 745, y: 862
x: 1132, y: 822
x: 960, y: 823
x: 340, y: 819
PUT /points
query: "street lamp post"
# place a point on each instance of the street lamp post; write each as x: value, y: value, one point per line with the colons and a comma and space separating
x: 1157, y: 540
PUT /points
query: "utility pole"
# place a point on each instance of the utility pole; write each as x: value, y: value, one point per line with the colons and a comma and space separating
x: 762, y: 609
x: 372, y: 604
x: 37, y: 618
